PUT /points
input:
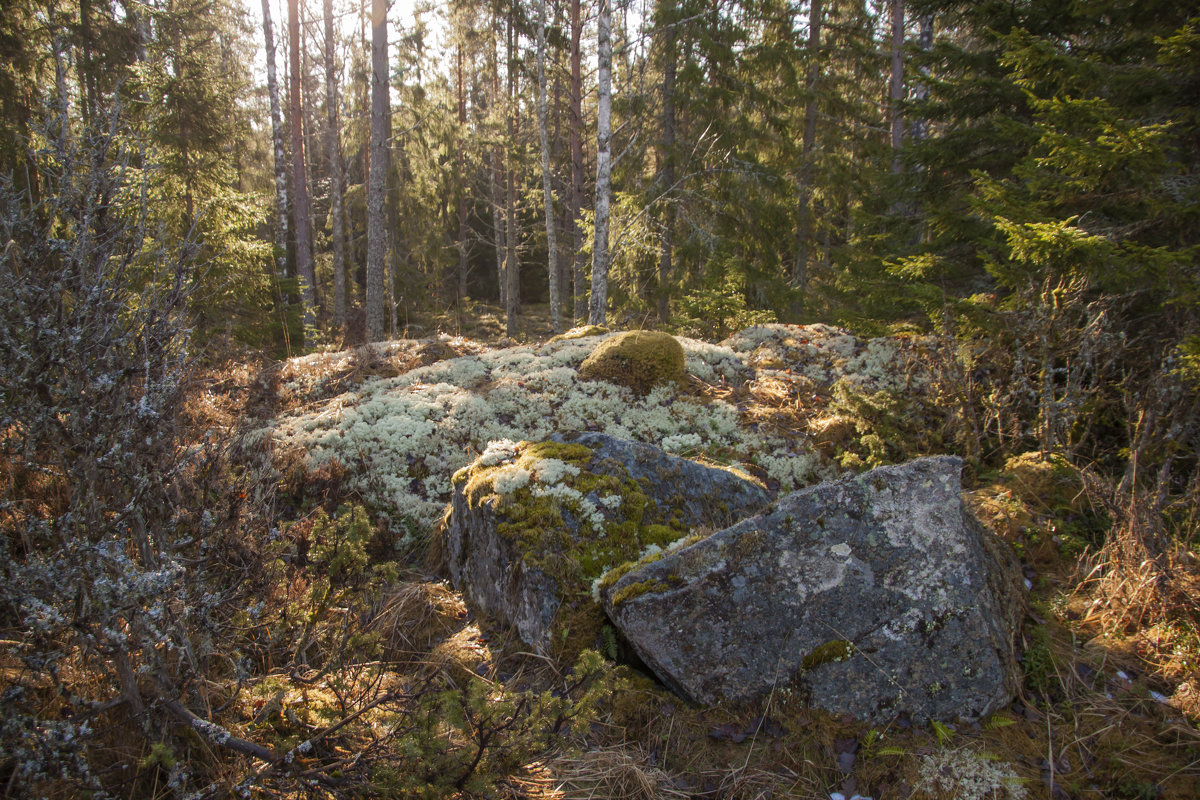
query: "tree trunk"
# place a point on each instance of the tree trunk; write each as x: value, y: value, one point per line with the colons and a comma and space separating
x: 281, y: 198
x: 805, y: 204
x: 377, y: 181
x: 667, y: 23
x: 497, y: 177
x: 547, y: 189
x: 920, y: 127
x: 576, y: 194
x: 336, y: 182
x: 897, y: 84
x: 512, y: 268
x: 463, y: 266
x: 303, y: 214
x: 597, y: 307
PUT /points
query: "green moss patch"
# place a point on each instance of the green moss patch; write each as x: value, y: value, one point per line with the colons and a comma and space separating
x: 570, y: 521
x: 637, y: 359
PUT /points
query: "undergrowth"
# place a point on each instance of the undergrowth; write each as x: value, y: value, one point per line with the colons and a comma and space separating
x: 328, y: 663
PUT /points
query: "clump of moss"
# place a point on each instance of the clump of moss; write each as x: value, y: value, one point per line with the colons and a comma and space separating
x: 574, y: 528
x: 837, y: 650
x: 637, y: 359
x: 580, y: 332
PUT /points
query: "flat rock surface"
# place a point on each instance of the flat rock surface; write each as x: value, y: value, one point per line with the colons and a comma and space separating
x: 872, y: 596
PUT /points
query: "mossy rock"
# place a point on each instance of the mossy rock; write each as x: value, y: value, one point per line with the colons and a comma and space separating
x: 532, y: 532
x: 638, y: 359
x: 872, y: 596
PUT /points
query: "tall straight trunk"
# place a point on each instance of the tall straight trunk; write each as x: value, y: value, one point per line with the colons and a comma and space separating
x: 804, y: 206
x: 920, y: 127
x: 377, y: 180
x: 512, y: 268
x: 597, y: 307
x: 463, y: 266
x: 496, y: 178
x: 579, y: 266
x: 281, y: 196
x: 897, y: 84
x: 547, y: 189
x: 303, y: 213
x: 336, y: 181
x: 667, y: 22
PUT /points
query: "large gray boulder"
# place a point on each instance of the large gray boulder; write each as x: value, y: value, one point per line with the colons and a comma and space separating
x: 869, y: 596
x: 533, y: 526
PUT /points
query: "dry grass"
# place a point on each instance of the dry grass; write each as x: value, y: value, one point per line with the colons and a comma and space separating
x: 612, y: 773
x: 415, y: 616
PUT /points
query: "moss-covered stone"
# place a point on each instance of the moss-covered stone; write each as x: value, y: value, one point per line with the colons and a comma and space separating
x: 532, y: 533
x: 637, y: 359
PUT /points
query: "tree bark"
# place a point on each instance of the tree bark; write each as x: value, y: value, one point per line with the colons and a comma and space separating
x: 547, y: 189
x: 896, y: 92
x: 667, y: 23
x: 377, y: 181
x: 512, y: 267
x: 804, y: 210
x: 576, y: 194
x: 497, y: 178
x: 303, y: 213
x: 336, y: 180
x: 597, y: 306
x: 920, y: 126
x: 463, y: 266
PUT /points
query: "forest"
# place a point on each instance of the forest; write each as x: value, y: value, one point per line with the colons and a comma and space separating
x: 227, y: 229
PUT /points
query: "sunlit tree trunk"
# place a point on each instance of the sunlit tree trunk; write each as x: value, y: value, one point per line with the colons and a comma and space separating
x: 575, y: 123
x: 512, y: 267
x: 597, y: 306
x: 896, y: 92
x: 547, y: 189
x: 805, y: 203
x: 377, y: 180
x: 336, y: 182
x: 667, y: 23
x: 303, y: 214
x: 463, y: 265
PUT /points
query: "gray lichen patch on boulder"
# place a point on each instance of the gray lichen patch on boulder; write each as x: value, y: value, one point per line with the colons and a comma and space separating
x: 637, y: 359
x: 871, y: 596
x: 532, y: 526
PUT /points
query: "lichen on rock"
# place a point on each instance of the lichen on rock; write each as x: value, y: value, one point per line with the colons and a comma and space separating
x: 528, y: 552
x: 870, y: 596
x: 637, y: 359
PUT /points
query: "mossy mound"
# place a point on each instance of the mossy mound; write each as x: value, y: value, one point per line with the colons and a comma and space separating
x: 637, y: 359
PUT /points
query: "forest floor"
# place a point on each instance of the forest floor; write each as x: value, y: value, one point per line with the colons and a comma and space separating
x: 426, y: 700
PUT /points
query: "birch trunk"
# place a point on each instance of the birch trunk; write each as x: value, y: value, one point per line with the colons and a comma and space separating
x: 597, y: 306
x: 547, y: 189
x: 576, y: 194
x: 377, y: 180
x: 336, y: 181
